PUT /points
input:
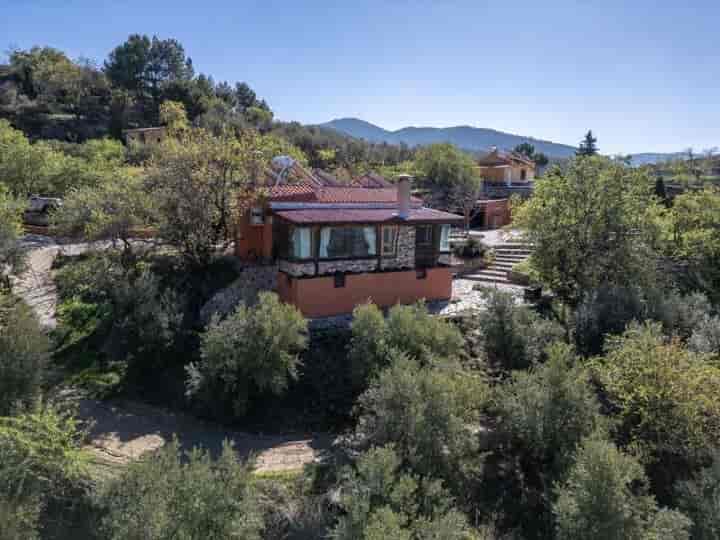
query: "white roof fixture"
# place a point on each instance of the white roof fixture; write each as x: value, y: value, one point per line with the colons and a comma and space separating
x: 281, y: 164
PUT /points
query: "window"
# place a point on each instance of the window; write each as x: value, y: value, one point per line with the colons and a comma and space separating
x: 523, y: 174
x: 445, y: 238
x: 339, y: 280
x: 347, y: 242
x: 389, y: 240
x: 423, y: 235
x: 301, y: 243
x: 257, y: 216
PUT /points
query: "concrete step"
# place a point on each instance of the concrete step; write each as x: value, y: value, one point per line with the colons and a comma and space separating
x: 491, y: 272
x: 501, y: 265
x: 509, y: 259
x: 486, y: 279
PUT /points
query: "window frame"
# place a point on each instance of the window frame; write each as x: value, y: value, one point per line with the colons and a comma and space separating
x: 393, y: 243
x: 291, y: 243
x: 448, y: 249
x: 348, y: 257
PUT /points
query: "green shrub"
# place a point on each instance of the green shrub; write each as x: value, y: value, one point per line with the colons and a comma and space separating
x: 183, y: 495
x: 513, y: 336
x: 408, y: 329
x: 428, y: 413
x: 425, y: 337
x: 381, y: 502
x: 254, y: 350
x: 41, y: 466
x: 605, y: 498
x: 699, y: 498
x: 23, y: 355
x: 664, y: 397
x: 706, y: 336
x: 549, y: 409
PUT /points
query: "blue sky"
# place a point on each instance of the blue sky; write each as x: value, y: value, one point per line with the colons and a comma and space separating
x: 644, y: 75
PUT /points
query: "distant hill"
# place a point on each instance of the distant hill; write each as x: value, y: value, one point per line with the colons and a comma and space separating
x: 466, y: 137
x: 650, y: 158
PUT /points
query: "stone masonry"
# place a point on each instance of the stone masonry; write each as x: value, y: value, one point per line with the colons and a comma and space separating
x: 405, y: 250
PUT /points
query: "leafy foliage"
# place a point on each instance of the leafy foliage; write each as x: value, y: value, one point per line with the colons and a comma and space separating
x: 407, y: 329
x: 514, y: 336
x: 178, y: 495
x: 380, y: 501
x: 40, y: 463
x: 549, y: 409
x: 605, y: 498
x: 23, y: 356
x: 699, y: 498
x: 253, y: 350
x: 428, y: 413
x: 12, y: 256
x: 591, y: 225
x: 664, y: 393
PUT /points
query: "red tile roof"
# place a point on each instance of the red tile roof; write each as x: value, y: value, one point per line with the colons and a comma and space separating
x: 371, y: 180
x: 372, y: 215
x: 305, y: 192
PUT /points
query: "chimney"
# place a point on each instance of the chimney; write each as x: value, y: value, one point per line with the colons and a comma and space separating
x: 403, y: 195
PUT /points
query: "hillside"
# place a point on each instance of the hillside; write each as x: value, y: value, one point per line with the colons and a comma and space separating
x: 467, y: 137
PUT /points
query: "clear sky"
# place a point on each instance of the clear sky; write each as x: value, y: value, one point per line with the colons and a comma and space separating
x: 644, y: 75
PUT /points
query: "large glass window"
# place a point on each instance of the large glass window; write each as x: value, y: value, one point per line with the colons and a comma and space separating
x: 445, y: 238
x: 389, y: 240
x: 347, y: 242
x: 301, y: 243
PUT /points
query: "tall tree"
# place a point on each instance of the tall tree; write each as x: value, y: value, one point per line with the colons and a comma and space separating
x: 588, y: 146
x: 591, y: 225
x: 528, y: 150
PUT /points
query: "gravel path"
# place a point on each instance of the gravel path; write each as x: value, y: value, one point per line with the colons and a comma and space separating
x: 122, y: 431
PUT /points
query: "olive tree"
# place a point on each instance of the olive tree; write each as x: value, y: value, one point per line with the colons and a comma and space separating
x: 174, y: 494
x: 255, y: 349
x: 604, y: 497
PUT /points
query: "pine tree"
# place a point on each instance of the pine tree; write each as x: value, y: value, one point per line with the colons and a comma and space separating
x: 588, y: 146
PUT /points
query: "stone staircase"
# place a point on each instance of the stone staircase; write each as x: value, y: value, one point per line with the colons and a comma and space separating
x: 506, y: 255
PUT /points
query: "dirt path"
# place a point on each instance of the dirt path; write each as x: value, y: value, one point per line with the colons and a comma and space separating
x: 35, y: 286
x: 123, y: 431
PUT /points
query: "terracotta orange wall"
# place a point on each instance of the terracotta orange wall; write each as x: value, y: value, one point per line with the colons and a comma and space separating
x: 253, y: 241
x: 318, y: 297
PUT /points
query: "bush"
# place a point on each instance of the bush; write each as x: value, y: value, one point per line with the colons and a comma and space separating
x: 408, y: 329
x: 381, y: 502
x: 665, y: 398
x: 548, y: 410
x: 177, y: 495
x: 706, y: 336
x: 23, y: 355
x: 513, y: 336
x: 428, y: 413
x: 41, y: 465
x: 252, y: 351
x: 605, y: 498
x: 607, y: 310
x: 699, y: 498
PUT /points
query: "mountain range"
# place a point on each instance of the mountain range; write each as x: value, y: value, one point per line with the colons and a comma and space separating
x: 469, y: 138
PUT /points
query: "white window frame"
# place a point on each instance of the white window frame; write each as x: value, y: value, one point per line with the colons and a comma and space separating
x: 445, y: 238
x: 394, y: 230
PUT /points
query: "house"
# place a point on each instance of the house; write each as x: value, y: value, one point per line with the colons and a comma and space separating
x: 338, y: 246
x: 504, y: 175
x: 151, y: 135
x: 506, y: 168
